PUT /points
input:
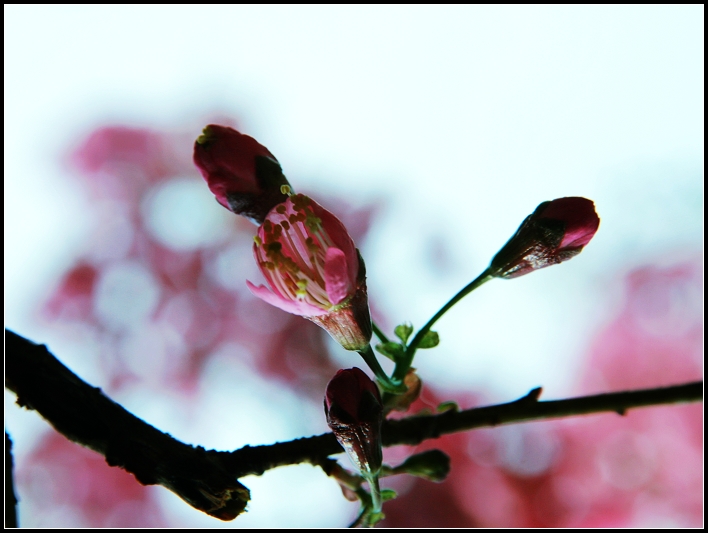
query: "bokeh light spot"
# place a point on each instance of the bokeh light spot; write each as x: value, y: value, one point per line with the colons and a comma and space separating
x: 126, y: 296
x: 181, y: 214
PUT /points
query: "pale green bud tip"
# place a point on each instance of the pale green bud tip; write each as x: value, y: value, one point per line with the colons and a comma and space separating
x: 205, y: 136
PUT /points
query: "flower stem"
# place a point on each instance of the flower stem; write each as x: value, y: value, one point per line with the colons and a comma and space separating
x: 387, y: 384
x: 403, y: 366
x: 376, y: 503
x: 380, y: 334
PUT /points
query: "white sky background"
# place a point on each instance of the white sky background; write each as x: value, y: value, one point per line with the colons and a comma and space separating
x: 462, y: 119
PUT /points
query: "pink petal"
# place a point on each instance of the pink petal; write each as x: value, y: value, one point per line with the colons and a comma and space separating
x: 578, y: 214
x: 578, y: 237
x: 336, y: 276
x: 339, y: 235
x: 296, y: 307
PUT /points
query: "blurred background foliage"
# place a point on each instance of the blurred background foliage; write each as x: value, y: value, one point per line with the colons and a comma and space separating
x: 431, y: 132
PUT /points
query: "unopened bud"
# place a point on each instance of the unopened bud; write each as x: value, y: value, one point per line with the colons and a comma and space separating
x: 354, y: 414
x: 555, y: 232
x: 243, y: 175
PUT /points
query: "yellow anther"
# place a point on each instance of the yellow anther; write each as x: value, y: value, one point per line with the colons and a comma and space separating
x: 313, y: 222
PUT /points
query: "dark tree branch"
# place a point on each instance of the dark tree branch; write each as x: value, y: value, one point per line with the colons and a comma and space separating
x: 10, y: 498
x: 207, y: 480
x: 416, y: 429
x: 86, y: 416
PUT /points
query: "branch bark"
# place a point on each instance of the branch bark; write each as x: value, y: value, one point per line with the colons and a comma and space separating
x: 10, y: 498
x: 83, y: 414
x: 416, y: 429
x: 207, y: 479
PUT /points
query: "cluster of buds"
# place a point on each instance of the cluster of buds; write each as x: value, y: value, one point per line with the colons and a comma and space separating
x: 313, y: 269
x: 304, y: 252
x: 310, y: 262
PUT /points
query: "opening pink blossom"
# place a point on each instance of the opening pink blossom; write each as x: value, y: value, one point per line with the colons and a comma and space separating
x: 313, y: 269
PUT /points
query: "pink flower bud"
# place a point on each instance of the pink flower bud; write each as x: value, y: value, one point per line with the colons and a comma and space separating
x: 243, y: 175
x: 553, y: 233
x: 354, y: 414
x: 314, y: 270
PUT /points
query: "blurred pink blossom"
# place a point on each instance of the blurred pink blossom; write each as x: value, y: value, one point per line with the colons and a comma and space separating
x: 73, y: 483
x: 640, y: 469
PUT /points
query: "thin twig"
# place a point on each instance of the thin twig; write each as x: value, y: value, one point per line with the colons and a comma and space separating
x: 414, y: 430
x: 207, y: 479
